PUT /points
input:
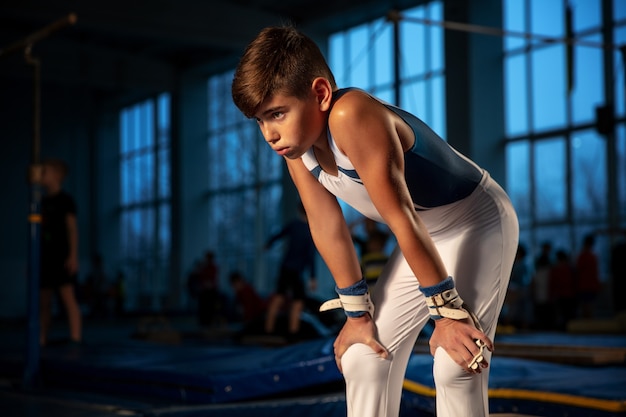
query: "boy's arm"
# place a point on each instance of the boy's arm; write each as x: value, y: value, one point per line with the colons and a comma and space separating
x: 328, y: 227
x: 334, y: 243
x: 380, y: 164
x: 72, y: 234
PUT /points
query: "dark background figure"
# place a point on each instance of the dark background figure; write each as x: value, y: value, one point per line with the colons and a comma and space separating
x: 374, y: 258
x: 516, y: 310
x: 59, y: 251
x: 563, y: 290
x: 249, y: 302
x: 588, y: 277
x: 370, y: 246
x: 119, y: 294
x: 618, y: 273
x: 543, y: 311
x: 202, y: 285
x: 97, y: 288
x: 299, y: 257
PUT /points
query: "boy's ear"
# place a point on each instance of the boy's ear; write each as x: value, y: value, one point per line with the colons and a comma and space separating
x: 323, y: 92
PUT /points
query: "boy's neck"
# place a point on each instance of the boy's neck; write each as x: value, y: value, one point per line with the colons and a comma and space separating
x: 53, y: 189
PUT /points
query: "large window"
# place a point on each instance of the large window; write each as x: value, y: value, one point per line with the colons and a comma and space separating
x: 619, y: 76
x: 364, y: 57
x: 244, y: 190
x: 560, y: 168
x: 145, y: 226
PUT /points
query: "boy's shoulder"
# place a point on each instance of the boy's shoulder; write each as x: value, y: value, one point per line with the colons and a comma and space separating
x: 352, y: 105
x: 349, y: 101
x: 349, y: 94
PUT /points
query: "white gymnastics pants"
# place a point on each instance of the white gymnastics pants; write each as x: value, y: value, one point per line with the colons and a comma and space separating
x: 477, y: 239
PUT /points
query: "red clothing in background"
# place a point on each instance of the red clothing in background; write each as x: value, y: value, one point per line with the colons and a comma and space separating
x: 588, y: 272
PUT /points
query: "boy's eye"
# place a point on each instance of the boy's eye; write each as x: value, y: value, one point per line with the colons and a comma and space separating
x: 277, y: 115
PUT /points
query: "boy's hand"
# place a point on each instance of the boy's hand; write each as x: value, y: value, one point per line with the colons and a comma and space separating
x: 357, y: 330
x: 458, y: 339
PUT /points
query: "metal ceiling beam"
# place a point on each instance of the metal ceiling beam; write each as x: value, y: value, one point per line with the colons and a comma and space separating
x: 209, y: 23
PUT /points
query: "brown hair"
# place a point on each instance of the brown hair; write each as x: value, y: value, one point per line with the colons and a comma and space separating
x: 278, y: 60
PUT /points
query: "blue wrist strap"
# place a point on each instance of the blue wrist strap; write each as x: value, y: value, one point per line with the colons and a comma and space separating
x: 443, y: 301
x: 358, y: 288
x: 445, y: 285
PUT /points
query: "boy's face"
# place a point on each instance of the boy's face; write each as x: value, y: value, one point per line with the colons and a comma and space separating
x: 50, y: 175
x: 291, y: 125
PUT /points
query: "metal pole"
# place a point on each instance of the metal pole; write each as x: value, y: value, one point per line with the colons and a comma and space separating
x: 492, y: 31
x: 31, y: 366
x: 31, y: 369
x: 396, y: 58
x: 41, y: 34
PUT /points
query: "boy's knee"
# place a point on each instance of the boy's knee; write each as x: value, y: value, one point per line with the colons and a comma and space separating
x: 446, y: 372
x: 361, y: 363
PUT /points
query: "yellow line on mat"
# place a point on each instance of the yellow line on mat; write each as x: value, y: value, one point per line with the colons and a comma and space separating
x: 606, y: 405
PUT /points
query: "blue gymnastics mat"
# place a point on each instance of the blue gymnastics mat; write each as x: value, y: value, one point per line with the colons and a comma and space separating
x: 302, y: 380
x: 193, y: 374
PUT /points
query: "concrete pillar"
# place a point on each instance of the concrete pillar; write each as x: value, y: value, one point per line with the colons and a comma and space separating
x: 474, y: 85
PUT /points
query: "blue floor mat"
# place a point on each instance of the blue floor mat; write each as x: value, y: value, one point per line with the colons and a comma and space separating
x: 235, y: 380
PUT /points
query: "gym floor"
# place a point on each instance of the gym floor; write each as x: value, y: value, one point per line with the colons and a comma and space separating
x: 159, y: 355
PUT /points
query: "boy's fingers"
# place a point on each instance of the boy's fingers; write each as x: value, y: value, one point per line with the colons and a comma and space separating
x: 379, y: 349
x: 338, y: 362
x: 374, y: 345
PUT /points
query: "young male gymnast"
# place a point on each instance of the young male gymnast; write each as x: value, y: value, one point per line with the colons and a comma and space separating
x: 456, y: 229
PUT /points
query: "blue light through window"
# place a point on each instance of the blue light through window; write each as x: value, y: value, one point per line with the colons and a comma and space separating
x: 557, y: 161
x: 145, y: 219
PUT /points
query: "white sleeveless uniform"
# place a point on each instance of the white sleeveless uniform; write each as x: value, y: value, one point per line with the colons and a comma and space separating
x: 475, y: 229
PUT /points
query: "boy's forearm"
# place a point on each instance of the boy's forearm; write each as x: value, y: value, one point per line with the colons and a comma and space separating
x: 335, y: 246
x: 328, y: 227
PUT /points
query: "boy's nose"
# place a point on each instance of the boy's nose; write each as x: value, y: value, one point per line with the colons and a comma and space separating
x: 270, y: 135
